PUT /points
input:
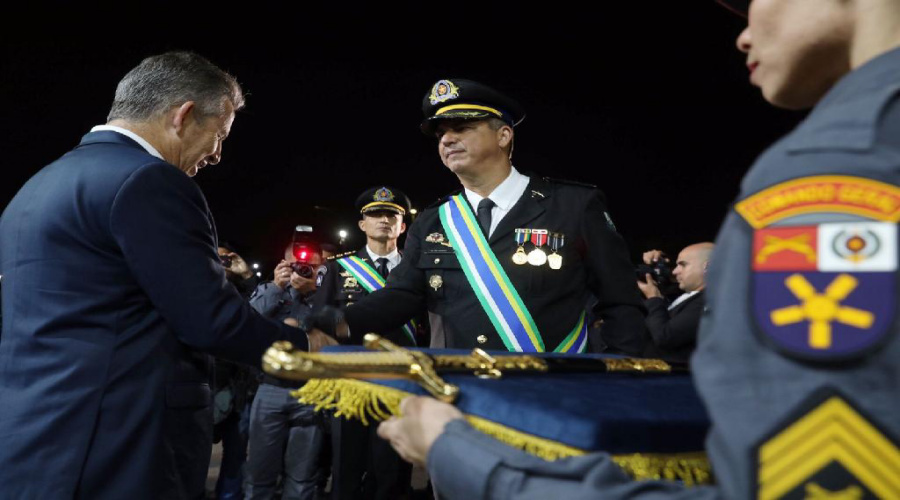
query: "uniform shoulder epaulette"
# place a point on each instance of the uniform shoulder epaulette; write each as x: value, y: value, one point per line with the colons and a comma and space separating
x: 444, y: 198
x: 569, y: 182
x: 338, y: 256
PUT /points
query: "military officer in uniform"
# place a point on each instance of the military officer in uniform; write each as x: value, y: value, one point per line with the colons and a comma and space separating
x: 365, y: 466
x: 797, y: 352
x: 506, y: 262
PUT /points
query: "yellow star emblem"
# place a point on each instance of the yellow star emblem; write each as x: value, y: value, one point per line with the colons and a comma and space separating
x: 822, y: 309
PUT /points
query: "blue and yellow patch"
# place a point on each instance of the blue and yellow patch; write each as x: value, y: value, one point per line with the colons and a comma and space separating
x: 828, y: 450
x: 824, y: 261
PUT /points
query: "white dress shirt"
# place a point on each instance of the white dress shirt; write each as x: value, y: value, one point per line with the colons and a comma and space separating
x: 681, y: 298
x: 131, y: 135
x: 504, y: 196
x: 393, y: 258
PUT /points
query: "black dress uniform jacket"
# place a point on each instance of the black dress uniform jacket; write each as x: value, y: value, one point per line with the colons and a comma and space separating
x: 594, y: 256
x: 339, y: 290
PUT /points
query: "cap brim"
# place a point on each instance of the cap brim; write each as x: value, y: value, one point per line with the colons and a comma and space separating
x: 382, y: 207
x: 739, y: 7
x: 429, y: 124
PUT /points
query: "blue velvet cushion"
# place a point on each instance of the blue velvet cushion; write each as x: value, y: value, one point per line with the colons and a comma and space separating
x: 613, y: 412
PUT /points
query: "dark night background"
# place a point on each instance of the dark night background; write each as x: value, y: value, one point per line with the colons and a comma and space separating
x: 647, y: 100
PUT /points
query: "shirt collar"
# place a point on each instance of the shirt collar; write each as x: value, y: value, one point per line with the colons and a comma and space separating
x: 506, y: 194
x: 393, y: 257
x: 131, y: 135
x: 683, y: 297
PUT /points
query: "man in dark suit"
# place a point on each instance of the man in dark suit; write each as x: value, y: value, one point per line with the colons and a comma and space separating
x: 673, y: 326
x: 364, y: 465
x: 112, y: 281
x: 515, y: 276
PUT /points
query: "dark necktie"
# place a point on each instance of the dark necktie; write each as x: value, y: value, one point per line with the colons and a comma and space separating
x: 484, y: 215
x: 381, y: 266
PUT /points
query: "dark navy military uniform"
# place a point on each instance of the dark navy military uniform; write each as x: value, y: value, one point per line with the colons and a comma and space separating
x: 339, y: 289
x: 797, y: 408
x: 594, y: 257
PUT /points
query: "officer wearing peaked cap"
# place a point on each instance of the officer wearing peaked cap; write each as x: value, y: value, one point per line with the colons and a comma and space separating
x: 365, y: 466
x: 507, y: 262
x: 797, y: 352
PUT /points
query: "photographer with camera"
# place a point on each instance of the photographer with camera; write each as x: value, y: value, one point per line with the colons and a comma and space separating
x: 673, y: 326
x: 288, y: 295
x: 285, y: 435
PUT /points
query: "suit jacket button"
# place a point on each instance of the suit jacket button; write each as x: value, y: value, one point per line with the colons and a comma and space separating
x: 482, y: 339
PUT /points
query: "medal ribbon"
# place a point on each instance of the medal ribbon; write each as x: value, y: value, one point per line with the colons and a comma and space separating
x: 371, y: 281
x: 539, y: 237
x: 521, y: 236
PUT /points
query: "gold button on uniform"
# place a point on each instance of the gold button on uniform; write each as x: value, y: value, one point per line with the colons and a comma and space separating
x: 437, y: 261
x: 482, y: 339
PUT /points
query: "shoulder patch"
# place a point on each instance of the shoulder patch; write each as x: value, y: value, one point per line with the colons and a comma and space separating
x: 827, y: 449
x: 824, y: 264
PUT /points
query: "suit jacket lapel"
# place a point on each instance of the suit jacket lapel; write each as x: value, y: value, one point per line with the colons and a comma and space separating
x: 528, y: 208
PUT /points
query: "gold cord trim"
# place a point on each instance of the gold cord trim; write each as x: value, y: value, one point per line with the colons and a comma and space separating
x: 364, y: 401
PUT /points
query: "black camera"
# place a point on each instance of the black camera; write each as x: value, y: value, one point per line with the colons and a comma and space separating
x: 304, y: 247
x: 661, y: 272
x: 304, y: 270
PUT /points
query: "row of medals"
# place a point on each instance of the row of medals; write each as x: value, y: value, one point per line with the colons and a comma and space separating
x: 538, y: 257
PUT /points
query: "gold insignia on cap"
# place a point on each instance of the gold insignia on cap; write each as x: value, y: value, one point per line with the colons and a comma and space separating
x: 383, y: 194
x: 482, y: 339
x: 443, y: 90
x: 435, y: 281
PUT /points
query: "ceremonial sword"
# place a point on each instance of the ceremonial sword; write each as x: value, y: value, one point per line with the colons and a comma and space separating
x: 390, y: 361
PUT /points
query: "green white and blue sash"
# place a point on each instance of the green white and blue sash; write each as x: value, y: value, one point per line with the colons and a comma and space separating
x: 498, y: 297
x: 371, y: 281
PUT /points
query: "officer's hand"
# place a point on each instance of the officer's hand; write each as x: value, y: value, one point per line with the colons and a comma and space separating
x: 422, y: 420
x: 649, y: 289
x: 652, y: 256
x: 330, y: 320
x: 282, y: 274
x: 238, y: 266
x: 318, y: 340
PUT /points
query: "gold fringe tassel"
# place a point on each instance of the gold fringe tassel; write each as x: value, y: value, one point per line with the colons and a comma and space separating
x: 364, y: 400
